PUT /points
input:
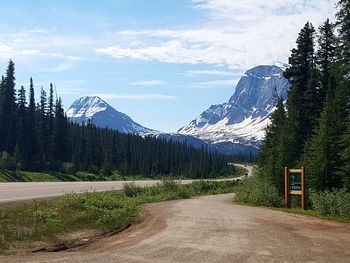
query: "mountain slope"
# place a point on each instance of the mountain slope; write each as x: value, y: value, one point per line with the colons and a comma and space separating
x: 103, y: 115
x: 240, y: 122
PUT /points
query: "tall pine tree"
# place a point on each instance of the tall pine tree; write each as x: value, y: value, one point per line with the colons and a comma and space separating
x: 302, y: 98
x: 8, y: 110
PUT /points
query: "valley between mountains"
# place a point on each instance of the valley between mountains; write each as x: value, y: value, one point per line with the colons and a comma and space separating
x: 234, y: 127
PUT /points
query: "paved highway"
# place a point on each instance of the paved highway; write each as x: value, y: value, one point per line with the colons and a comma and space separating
x: 11, y: 192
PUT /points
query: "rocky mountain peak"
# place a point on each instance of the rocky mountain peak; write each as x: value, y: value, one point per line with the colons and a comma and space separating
x: 243, y: 119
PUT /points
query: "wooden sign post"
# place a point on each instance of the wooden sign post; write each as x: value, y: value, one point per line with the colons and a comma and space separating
x: 294, y: 184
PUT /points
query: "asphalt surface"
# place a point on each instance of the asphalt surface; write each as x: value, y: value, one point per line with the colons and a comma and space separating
x: 213, y: 229
x: 11, y: 192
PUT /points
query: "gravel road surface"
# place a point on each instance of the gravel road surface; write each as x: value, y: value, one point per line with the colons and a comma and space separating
x: 213, y: 229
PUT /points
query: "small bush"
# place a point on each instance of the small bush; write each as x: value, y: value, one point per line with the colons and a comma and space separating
x: 46, y: 216
x: 170, y: 185
x: 131, y: 189
x: 258, y: 191
x: 184, y: 192
x: 87, y: 176
x: 68, y: 168
x: 336, y: 203
x: 7, y: 162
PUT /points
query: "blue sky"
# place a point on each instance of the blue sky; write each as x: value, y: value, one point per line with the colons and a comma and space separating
x: 162, y: 62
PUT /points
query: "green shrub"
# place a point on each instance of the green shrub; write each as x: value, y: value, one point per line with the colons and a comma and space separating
x: 87, y: 176
x: 184, y: 191
x: 68, y: 168
x: 131, y: 189
x: 46, y: 216
x: 170, y: 185
x: 7, y: 162
x: 336, y: 203
x: 258, y: 191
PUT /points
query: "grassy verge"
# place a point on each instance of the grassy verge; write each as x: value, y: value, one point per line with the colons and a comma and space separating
x: 258, y: 191
x: 21, y: 176
x: 26, y: 176
x: 312, y: 213
x: 44, y: 222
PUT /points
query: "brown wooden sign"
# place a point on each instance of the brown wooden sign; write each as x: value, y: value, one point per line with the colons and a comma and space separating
x: 294, y: 184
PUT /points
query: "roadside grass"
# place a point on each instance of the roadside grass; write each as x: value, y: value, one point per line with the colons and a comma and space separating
x: 240, y: 171
x: 26, y: 176
x: 259, y: 192
x: 312, y: 213
x: 22, y: 176
x: 24, y: 225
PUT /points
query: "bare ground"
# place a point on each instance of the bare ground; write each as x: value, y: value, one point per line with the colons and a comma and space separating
x: 213, y: 229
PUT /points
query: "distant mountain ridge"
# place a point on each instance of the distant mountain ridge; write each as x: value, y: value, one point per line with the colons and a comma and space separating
x: 236, y: 126
x: 103, y: 115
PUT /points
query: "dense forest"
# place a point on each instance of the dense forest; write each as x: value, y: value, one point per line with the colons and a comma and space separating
x: 312, y: 128
x: 38, y: 137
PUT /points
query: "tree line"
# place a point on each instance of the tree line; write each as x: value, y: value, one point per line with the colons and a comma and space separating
x: 39, y: 137
x: 312, y: 128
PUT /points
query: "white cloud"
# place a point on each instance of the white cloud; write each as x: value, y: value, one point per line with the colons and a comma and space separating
x: 148, y: 83
x: 209, y: 72
x: 42, y: 50
x: 148, y: 96
x: 237, y: 34
x: 214, y: 84
x: 70, y: 87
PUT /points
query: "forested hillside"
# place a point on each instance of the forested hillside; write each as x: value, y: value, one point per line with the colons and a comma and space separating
x: 313, y: 128
x: 38, y: 137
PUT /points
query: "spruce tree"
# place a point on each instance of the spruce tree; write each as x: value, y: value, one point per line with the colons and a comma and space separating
x: 32, y: 131
x: 345, y: 157
x: 8, y: 110
x: 302, y: 103
x: 343, y: 25
x: 325, y: 59
x: 275, y: 151
x: 42, y: 128
x: 60, y: 135
x: 342, y: 96
x: 22, y: 146
x: 321, y: 152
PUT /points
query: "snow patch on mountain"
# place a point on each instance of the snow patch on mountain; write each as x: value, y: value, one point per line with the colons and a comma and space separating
x: 243, y: 119
x: 104, y: 116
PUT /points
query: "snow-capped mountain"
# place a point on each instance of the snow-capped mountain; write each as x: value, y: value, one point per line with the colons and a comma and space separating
x: 239, y: 124
x: 236, y: 126
x: 103, y: 115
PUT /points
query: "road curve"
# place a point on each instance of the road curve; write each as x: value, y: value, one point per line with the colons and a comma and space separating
x: 213, y: 229
x: 11, y: 192
x: 249, y: 168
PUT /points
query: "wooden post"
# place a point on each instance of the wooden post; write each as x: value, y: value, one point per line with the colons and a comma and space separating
x: 303, y: 187
x: 286, y: 187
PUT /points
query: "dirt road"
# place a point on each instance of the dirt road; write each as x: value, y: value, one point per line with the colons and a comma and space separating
x: 212, y: 229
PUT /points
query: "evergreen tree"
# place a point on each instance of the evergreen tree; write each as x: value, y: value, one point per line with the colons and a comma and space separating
x: 302, y: 98
x: 8, y: 110
x: 325, y: 58
x: 22, y: 146
x: 321, y: 153
x: 42, y: 127
x: 274, y: 154
x: 32, y: 132
x: 345, y: 157
x: 343, y: 24
x: 51, y: 109
x: 60, y: 135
